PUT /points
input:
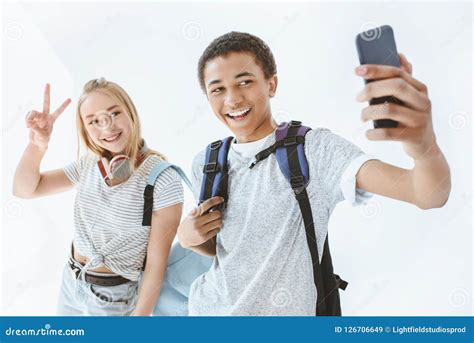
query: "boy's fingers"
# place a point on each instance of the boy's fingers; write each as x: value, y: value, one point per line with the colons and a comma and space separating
x: 390, y: 134
x: 209, y: 203
x: 398, y: 88
x: 46, y: 98
x: 212, y: 226
x: 60, y: 109
x: 209, y: 217
x: 212, y: 234
x: 383, y: 72
x: 395, y: 112
x: 404, y: 64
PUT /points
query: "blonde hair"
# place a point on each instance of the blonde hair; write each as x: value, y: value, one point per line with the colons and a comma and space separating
x: 118, y: 94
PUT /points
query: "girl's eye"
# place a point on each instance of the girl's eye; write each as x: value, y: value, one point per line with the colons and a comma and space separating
x: 217, y: 90
x: 114, y: 114
x: 94, y: 122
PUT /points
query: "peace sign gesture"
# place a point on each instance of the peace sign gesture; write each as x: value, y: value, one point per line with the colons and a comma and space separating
x: 41, y: 123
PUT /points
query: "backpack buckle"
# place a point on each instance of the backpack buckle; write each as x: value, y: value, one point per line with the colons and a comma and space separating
x: 295, y: 123
x: 216, y: 145
x: 211, y: 167
x: 297, y: 184
x: 290, y: 141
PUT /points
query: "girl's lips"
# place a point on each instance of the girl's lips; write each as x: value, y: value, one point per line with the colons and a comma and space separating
x: 113, y: 140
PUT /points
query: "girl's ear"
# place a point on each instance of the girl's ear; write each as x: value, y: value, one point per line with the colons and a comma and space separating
x: 273, y: 84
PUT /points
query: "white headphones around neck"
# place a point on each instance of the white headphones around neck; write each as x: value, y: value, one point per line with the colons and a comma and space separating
x: 118, y: 167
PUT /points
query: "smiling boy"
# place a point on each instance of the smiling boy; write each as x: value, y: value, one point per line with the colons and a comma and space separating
x: 262, y: 265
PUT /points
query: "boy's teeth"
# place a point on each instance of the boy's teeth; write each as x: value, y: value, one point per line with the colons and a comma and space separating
x: 239, y: 113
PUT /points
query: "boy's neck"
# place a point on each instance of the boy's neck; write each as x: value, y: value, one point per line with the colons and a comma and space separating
x: 266, y: 128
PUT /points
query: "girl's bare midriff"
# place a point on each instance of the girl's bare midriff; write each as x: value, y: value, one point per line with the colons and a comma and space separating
x: 83, y: 260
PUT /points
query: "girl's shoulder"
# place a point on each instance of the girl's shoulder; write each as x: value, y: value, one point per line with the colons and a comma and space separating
x: 152, y: 161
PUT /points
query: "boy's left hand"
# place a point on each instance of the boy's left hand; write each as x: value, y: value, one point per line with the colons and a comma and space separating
x: 415, y: 127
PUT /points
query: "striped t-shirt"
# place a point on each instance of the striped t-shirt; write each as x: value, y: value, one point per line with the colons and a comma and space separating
x: 108, y: 219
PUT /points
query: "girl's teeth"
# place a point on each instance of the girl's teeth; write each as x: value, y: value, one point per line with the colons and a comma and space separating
x: 112, y: 138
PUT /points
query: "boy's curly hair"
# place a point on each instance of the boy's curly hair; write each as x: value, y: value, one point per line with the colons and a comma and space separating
x: 238, y: 42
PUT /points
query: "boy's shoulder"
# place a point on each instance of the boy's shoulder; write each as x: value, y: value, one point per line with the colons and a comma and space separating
x: 199, y: 158
x: 317, y: 134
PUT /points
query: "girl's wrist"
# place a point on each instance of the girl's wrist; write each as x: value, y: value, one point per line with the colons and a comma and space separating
x: 39, y: 147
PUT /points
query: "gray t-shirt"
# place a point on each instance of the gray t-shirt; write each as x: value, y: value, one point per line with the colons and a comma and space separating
x: 262, y: 264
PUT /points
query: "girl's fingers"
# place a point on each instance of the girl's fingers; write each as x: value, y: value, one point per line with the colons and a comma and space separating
x: 60, y: 109
x: 31, y: 118
x: 46, y: 100
x: 31, y: 115
x: 41, y: 119
x: 37, y: 130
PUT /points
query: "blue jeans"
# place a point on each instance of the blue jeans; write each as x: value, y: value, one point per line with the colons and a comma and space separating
x: 79, y: 298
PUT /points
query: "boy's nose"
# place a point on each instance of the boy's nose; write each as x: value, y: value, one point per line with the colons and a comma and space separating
x: 233, y: 99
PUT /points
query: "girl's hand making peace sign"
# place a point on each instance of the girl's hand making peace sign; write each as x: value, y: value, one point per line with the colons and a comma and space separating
x: 41, y: 123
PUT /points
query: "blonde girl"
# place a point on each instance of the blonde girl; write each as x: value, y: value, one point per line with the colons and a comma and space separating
x: 106, y: 273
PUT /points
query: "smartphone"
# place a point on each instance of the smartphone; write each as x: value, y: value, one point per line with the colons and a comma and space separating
x: 377, y: 46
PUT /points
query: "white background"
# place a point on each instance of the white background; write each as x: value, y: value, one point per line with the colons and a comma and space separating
x: 399, y: 260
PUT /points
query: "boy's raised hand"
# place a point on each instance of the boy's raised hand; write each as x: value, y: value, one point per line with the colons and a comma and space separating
x: 41, y: 123
x: 198, y: 226
x: 415, y: 128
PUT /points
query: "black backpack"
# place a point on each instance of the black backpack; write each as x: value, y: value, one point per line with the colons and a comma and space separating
x: 289, y: 151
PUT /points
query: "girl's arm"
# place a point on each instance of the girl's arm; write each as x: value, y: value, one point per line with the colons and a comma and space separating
x: 164, y: 224
x: 28, y: 181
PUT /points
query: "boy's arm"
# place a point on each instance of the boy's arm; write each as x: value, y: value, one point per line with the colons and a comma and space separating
x: 198, y: 230
x: 428, y: 184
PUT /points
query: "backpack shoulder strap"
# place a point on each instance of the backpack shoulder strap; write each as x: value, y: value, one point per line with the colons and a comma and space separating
x: 150, y: 187
x: 291, y: 158
x: 293, y: 164
x: 215, y: 171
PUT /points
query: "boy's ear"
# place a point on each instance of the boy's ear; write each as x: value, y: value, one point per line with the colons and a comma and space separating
x: 273, y: 83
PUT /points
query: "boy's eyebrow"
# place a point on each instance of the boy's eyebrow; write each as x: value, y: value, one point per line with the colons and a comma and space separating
x: 110, y: 108
x: 245, y: 73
